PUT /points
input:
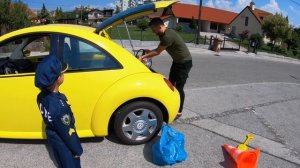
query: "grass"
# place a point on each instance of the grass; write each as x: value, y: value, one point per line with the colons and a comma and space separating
x: 147, y: 35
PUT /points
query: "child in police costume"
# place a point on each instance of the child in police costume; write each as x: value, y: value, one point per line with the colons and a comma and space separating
x: 57, y: 115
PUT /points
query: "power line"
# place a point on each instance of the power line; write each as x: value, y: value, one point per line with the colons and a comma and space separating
x: 297, y: 3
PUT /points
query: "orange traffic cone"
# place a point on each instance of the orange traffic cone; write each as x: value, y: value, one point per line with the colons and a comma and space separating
x: 243, y: 159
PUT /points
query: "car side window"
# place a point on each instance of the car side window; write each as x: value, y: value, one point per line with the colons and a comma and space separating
x: 83, y: 55
x: 23, y: 54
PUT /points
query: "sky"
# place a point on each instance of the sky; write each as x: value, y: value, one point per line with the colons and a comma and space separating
x: 290, y: 8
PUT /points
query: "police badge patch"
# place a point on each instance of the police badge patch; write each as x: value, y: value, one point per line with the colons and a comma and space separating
x: 66, y: 119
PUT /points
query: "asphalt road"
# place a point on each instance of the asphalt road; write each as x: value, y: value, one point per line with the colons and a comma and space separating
x: 231, y: 68
x: 228, y: 96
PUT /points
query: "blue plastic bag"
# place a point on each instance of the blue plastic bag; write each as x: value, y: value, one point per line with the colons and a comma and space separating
x: 170, y: 148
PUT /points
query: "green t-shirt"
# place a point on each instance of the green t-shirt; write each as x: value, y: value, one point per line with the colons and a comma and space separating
x: 175, y: 46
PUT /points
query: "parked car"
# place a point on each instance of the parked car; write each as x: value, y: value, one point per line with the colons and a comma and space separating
x: 107, y: 86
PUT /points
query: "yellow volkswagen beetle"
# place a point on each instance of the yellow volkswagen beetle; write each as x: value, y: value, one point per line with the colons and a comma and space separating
x: 108, y: 87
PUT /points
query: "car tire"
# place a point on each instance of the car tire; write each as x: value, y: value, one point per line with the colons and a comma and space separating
x: 138, y: 122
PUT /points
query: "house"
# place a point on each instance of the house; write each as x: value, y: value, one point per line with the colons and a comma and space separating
x: 97, y: 16
x: 215, y: 20
x: 212, y: 19
x: 249, y: 19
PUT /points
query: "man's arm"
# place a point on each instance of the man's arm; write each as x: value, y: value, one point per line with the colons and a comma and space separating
x: 153, y: 53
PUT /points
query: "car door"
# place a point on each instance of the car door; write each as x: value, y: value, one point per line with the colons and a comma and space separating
x: 19, y: 116
x: 92, y: 70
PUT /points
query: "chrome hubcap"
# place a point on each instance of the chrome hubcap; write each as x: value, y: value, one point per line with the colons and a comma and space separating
x: 139, y: 124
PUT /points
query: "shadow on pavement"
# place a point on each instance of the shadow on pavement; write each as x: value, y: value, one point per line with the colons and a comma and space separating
x: 92, y: 140
x: 228, y: 161
x: 113, y: 138
x: 147, y: 151
x: 44, y: 142
x: 23, y: 141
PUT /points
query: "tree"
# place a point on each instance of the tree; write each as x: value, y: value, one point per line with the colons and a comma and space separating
x: 193, y: 24
x: 142, y: 24
x: 58, y: 13
x: 44, y: 14
x: 293, y: 41
x: 4, y: 14
x: 18, y: 15
x: 277, y: 28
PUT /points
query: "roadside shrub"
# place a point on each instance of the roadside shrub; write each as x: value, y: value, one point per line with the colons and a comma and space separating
x: 179, y: 28
x: 269, y: 44
x: 295, y: 52
x: 258, y: 39
x: 281, y: 50
x: 244, y: 35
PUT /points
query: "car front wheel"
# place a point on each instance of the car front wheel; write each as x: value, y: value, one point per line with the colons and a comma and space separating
x: 138, y: 122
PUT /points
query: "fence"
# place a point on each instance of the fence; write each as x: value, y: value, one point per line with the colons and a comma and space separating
x: 231, y: 44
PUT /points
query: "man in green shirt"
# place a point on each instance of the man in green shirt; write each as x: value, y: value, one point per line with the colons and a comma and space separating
x: 175, y: 46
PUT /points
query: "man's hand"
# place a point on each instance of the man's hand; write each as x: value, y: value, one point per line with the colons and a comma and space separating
x: 152, y: 53
x: 76, y: 157
x: 142, y: 59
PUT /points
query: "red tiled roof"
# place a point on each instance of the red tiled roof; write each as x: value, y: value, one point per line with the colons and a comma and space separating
x: 188, y: 11
x: 260, y: 13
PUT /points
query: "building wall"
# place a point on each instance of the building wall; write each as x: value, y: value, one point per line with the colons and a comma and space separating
x: 238, y: 25
x: 205, y: 27
x: 171, y: 22
x: 95, y: 15
x: 124, y: 5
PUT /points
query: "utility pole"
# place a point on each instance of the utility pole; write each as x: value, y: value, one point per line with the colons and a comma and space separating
x: 199, y: 22
x: 81, y: 12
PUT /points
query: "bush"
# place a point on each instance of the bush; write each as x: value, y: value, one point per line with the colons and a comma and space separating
x: 258, y: 39
x: 295, y: 52
x: 269, y: 44
x: 179, y: 28
x: 244, y: 35
x: 281, y: 50
x: 193, y: 24
x: 142, y: 24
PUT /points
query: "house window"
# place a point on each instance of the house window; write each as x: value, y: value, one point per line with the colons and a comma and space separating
x: 213, y: 26
x: 246, y: 21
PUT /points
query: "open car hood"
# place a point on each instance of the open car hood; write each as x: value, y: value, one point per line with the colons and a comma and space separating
x: 133, y: 13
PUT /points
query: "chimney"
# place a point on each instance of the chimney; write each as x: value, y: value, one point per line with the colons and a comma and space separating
x: 252, y: 5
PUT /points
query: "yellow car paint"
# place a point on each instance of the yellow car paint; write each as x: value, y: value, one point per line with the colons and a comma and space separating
x: 103, y: 33
x: 163, y: 4
x: 94, y: 95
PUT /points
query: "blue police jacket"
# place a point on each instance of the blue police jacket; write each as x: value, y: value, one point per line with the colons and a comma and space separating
x: 59, y: 118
